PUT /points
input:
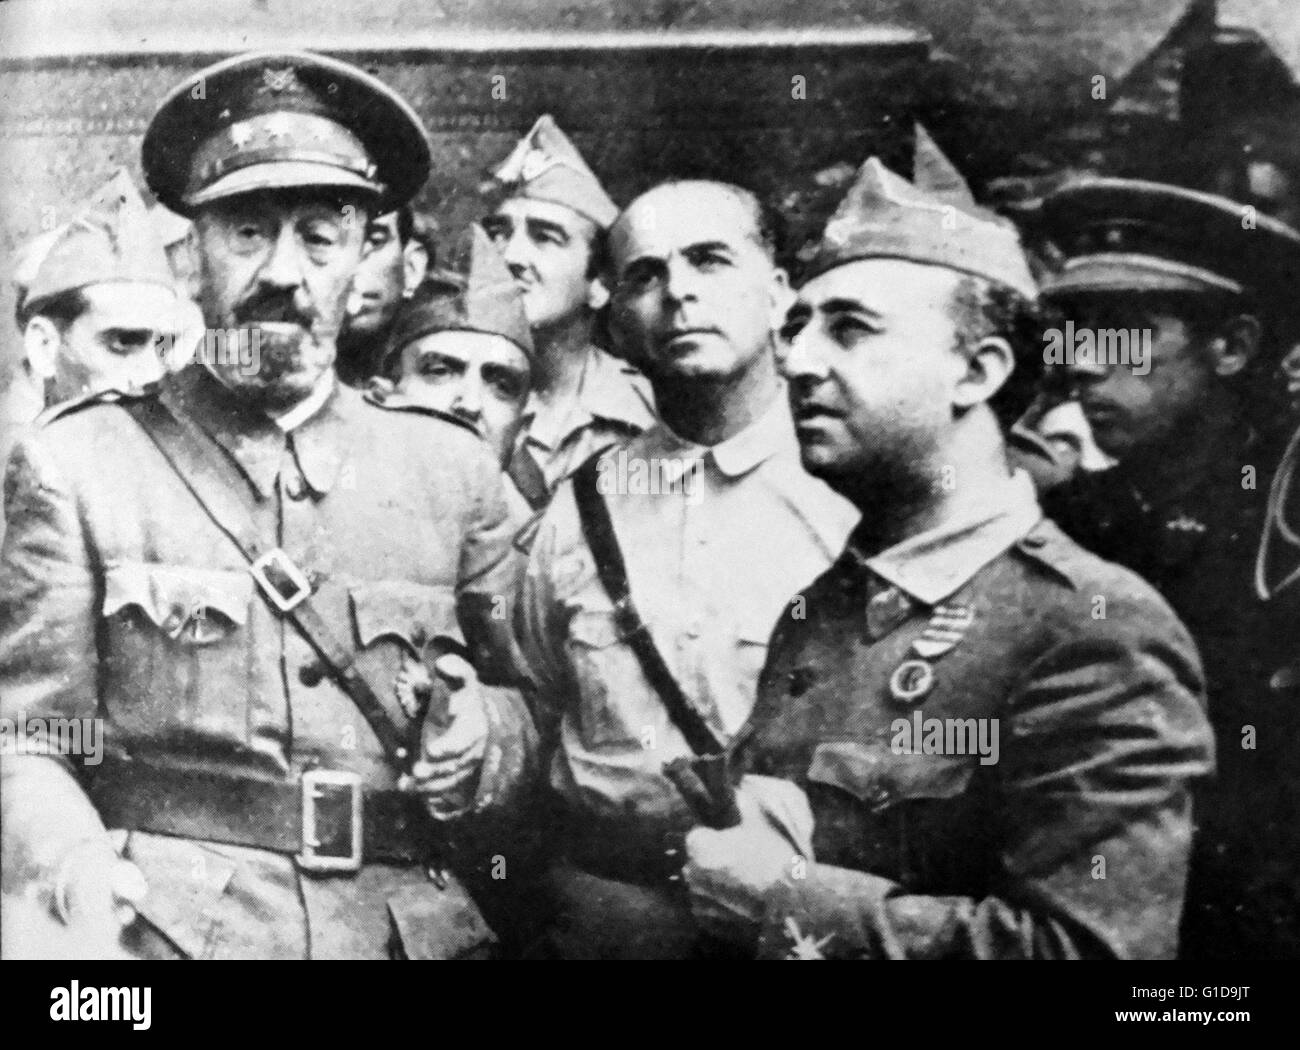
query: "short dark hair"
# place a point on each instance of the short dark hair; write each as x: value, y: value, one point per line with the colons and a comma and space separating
x: 62, y: 308
x: 981, y: 309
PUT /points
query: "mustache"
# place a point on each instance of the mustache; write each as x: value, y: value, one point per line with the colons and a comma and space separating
x: 272, y: 307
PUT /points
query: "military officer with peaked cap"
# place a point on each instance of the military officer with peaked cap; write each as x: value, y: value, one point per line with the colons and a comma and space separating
x: 980, y: 766
x: 1210, y: 282
x: 258, y: 602
x: 551, y: 216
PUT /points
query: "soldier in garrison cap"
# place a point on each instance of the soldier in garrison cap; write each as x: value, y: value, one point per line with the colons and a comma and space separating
x: 283, y: 631
x: 464, y: 349
x: 551, y: 217
x: 96, y: 306
x: 1200, y: 288
x: 965, y: 751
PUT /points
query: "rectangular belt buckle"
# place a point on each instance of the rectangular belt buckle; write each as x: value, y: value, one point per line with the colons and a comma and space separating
x: 281, y: 580
x: 336, y: 791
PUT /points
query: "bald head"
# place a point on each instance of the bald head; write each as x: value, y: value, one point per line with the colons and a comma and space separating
x: 740, y: 208
x: 695, y: 290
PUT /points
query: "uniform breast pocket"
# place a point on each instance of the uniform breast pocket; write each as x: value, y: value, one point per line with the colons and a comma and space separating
x: 611, y: 705
x: 397, y: 623
x: 901, y: 815
x: 176, y: 645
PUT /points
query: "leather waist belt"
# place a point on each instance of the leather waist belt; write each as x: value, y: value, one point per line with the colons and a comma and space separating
x: 328, y: 821
x: 611, y: 850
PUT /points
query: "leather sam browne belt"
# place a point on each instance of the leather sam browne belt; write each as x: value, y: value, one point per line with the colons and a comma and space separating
x: 314, y: 820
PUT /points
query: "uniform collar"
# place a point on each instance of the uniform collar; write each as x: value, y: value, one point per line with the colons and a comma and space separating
x: 934, y: 564
x: 309, y: 406
x: 608, y: 390
x: 772, y: 432
x: 254, y: 441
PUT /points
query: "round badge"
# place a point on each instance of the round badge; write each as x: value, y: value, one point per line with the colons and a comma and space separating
x: 911, y: 681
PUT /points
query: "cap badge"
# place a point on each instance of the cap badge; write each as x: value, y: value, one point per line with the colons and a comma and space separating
x: 276, y: 80
x: 536, y: 162
x: 241, y: 134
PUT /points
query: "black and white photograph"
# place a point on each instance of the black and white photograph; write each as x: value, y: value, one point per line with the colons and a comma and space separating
x: 716, y: 480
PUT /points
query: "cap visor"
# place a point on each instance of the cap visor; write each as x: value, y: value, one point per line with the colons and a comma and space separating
x: 1107, y: 275
x: 282, y: 175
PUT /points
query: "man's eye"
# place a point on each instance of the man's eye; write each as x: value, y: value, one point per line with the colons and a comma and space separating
x: 320, y: 238
x: 548, y: 237
x: 434, y: 369
x: 129, y: 342
x: 249, y: 231
x: 496, y: 231
x: 508, y: 388
x: 639, y: 277
x: 707, y: 262
x: 846, y: 330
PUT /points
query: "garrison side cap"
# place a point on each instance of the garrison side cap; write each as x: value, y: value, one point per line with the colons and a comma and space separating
x: 1130, y: 235
x: 477, y: 293
x: 933, y: 220
x: 281, y: 119
x: 112, y: 238
x: 546, y: 166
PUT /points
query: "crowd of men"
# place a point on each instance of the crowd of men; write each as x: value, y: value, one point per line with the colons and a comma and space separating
x: 584, y: 584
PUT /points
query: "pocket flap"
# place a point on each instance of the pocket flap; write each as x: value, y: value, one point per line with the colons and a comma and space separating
x: 185, y: 883
x: 410, y: 612
x: 173, y: 595
x: 433, y: 923
x: 879, y: 776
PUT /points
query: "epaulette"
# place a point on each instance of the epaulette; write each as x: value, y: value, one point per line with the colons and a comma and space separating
x: 394, y: 402
x: 1050, y: 548
x: 99, y: 397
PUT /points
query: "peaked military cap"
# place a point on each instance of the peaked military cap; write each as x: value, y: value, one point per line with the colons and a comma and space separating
x: 933, y: 219
x: 476, y: 294
x: 275, y: 119
x: 1131, y: 235
x: 112, y: 238
x: 546, y: 166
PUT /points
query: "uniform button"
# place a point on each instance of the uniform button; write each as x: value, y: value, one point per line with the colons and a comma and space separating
x: 296, y: 488
x: 311, y: 674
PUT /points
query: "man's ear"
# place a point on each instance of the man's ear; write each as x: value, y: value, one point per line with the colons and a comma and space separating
x: 415, y: 266
x: 987, y: 369
x: 597, y: 293
x: 41, y: 342
x: 1235, y: 345
x: 780, y: 298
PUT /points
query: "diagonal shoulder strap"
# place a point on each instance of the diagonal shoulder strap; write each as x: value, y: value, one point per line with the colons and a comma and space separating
x: 215, y: 487
x: 598, y: 530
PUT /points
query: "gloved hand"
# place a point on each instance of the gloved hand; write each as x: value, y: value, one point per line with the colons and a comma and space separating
x: 447, y: 772
x: 730, y: 873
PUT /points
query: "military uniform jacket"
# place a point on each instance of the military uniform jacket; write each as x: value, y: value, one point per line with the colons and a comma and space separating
x: 119, y: 596
x: 1199, y: 553
x: 1070, y: 837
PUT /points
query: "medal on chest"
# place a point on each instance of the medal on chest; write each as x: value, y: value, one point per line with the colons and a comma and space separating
x: 914, y: 678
